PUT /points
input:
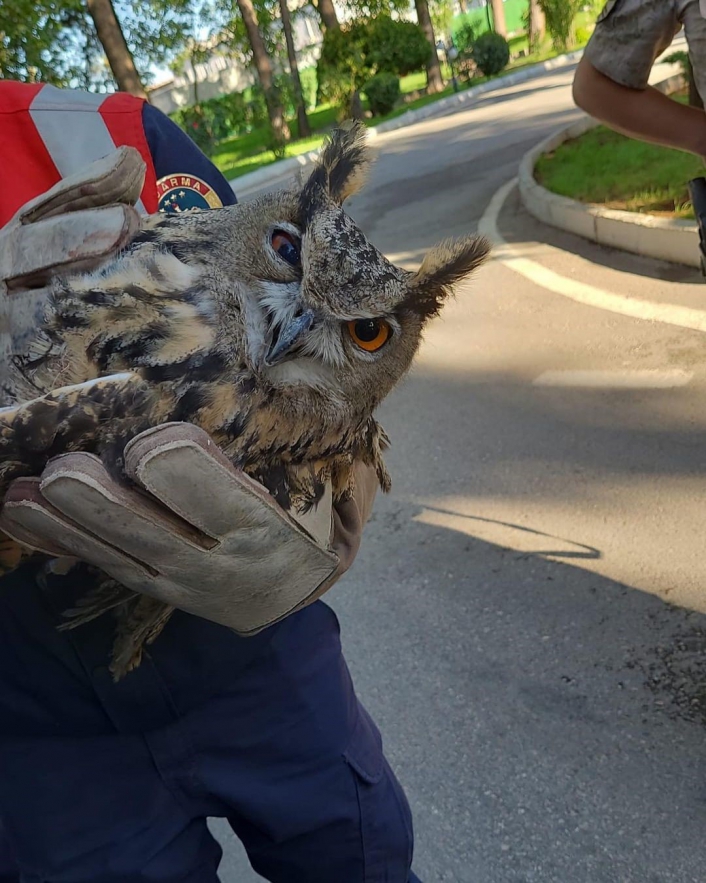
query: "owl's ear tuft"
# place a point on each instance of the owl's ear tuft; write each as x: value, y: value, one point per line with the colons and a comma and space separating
x: 443, y: 267
x: 343, y: 165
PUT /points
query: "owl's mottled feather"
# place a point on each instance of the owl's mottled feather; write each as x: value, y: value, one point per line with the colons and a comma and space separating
x: 237, y: 320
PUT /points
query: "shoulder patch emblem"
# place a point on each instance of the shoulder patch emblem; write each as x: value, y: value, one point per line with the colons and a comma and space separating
x: 183, y: 193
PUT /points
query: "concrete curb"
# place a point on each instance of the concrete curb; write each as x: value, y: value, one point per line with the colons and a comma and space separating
x: 286, y: 168
x: 666, y: 239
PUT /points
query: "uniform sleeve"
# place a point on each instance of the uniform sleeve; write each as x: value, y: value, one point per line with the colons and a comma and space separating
x: 174, y: 153
x: 629, y: 36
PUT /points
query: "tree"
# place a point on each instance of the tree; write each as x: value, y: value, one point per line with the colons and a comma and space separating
x: 499, y: 25
x: 263, y: 65
x: 327, y: 13
x: 302, y: 119
x: 116, y: 49
x: 442, y: 14
x: 56, y: 41
x: 537, y: 25
x: 37, y: 43
x: 435, y: 82
x: 560, y: 16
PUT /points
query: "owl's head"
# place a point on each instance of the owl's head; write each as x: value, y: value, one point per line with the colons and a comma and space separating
x: 324, y: 309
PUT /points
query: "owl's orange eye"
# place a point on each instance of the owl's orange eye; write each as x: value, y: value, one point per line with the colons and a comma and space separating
x: 369, y: 334
x: 287, y: 247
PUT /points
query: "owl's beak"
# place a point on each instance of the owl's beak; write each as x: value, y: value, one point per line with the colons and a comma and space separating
x: 284, y: 342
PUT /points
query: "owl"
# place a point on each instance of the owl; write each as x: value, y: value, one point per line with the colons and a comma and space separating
x: 274, y: 325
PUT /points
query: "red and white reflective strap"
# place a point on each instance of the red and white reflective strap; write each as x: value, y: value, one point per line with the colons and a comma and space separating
x: 73, y: 128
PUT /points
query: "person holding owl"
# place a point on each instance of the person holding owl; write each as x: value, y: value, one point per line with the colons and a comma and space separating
x: 113, y: 782
x: 611, y: 81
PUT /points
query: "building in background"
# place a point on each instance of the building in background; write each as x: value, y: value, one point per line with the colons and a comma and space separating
x: 222, y: 74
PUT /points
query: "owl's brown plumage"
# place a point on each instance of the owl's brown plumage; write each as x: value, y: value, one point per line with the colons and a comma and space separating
x: 274, y: 325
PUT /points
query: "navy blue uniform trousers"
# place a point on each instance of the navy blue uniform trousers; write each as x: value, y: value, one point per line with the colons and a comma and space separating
x: 112, y: 783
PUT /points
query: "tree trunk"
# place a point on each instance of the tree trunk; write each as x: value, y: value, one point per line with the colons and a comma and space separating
x: 463, y: 6
x: 435, y: 82
x: 537, y: 25
x: 196, y: 79
x: 112, y: 39
x: 280, y: 130
x: 302, y: 119
x: 327, y: 13
x: 499, y: 25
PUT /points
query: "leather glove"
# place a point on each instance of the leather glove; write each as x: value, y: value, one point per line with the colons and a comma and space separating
x: 195, y: 533
x: 74, y: 226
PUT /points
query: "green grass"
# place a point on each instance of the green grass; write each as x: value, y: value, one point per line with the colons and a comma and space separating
x: 605, y: 167
x: 234, y: 160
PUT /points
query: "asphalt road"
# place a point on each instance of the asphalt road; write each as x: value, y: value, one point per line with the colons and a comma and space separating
x: 511, y: 620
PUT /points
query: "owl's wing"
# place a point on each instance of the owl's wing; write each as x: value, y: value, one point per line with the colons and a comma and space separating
x: 108, y: 409
x: 31, y: 363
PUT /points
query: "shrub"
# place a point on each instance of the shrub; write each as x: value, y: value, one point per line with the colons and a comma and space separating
x: 382, y: 91
x: 396, y: 47
x: 342, y: 66
x: 351, y: 55
x: 196, y: 125
x: 491, y: 53
x: 210, y: 121
x: 465, y: 37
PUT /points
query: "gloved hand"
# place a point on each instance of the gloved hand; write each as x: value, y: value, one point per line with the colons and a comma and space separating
x: 197, y: 534
x: 206, y: 538
x: 75, y: 225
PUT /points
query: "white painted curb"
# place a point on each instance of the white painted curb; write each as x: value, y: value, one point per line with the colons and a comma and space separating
x: 668, y: 239
x: 286, y: 168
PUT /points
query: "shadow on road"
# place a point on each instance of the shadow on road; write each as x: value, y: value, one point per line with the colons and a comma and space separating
x: 548, y: 722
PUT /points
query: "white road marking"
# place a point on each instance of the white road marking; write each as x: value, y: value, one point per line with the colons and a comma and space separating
x: 656, y: 378
x: 581, y: 292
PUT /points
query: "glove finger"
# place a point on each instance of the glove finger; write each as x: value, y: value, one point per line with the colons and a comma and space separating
x: 79, y: 486
x: 116, y: 178
x: 20, y: 517
x: 180, y: 465
x: 33, y: 522
x: 42, y: 250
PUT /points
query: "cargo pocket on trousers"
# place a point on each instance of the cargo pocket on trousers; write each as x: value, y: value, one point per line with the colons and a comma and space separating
x: 385, y: 817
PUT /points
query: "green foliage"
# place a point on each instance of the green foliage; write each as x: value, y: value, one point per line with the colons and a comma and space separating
x: 54, y: 41
x: 465, y: 36
x: 238, y: 113
x: 681, y: 58
x: 342, y: 67
x: 353, y: 54
x: 582, y: 36
x: 309, y: 86
x: 382, y: 92
x: 441, y: 13
x: 45, y: 41
x: 491, y: 53
x: 211, y: 121
x: 560, y: 16
x: 368, y: 9
x: 397, y: 47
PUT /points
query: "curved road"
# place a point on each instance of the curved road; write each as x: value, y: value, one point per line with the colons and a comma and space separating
x: 508, y: 622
